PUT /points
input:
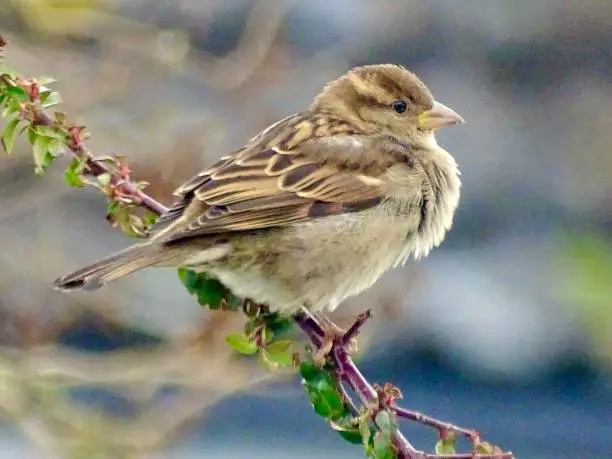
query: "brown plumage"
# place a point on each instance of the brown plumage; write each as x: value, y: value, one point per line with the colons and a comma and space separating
x: 317, y: 206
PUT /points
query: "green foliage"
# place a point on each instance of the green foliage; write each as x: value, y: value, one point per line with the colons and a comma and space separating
x: 374, y: 431
x: 278, y: 324
x: 9, y: 134
x: 265, y: 328
x: 73, y: 175
x: 261, y: 328
x: 45, y: 147
x: 322, y: 390
x: 49, y: 98
x: 207, y: 290
x: 122, y: 215
x: 20, y: 98
x: 279, y: 353
x: 17, y: 93
x: 447, y: 444
x: 241, y: 343
x: 381, y: 446
x: 327, y: 401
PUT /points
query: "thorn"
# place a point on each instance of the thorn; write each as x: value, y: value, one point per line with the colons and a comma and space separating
x: 354, y: 329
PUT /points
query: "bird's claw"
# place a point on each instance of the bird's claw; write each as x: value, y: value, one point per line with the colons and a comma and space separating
x: 333, y: 336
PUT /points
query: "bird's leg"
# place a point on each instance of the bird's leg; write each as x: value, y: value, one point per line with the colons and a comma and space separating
x: 333, y: 336
x: 329, y: 325
x: 330, y: 338
x: 328, y: 335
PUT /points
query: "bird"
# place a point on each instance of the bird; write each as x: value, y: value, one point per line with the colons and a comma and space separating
x: 317, y: 206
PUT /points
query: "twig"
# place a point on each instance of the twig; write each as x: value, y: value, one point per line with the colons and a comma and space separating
x: 421, y: 418
x: 97, y: 167
x: 349, y: 373
x: 354, y: 329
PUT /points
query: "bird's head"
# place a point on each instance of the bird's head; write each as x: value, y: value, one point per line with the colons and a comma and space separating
x: 386, y: 98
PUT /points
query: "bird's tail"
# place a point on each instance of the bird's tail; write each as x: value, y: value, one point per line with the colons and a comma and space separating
x: 95, y: 275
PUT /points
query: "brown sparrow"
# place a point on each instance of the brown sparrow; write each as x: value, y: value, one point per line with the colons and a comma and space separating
x: 315, y: 208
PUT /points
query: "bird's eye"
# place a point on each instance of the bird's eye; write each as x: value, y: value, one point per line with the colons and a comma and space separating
x: 399, y: 106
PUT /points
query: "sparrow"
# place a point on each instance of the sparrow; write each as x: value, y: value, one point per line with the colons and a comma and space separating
x: 316, y: 207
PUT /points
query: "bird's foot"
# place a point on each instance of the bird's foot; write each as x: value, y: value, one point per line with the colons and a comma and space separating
x: 337, y: 336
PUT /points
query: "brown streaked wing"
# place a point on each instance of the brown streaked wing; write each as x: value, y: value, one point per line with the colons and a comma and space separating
x: 242, y: 162
x: 288, y: 188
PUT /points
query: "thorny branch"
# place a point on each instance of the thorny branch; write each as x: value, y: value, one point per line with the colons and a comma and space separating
x: 97, y: 166
x: 374, y: 399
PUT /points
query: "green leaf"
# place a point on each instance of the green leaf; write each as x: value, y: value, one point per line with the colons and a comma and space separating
x: 264, y: 360
x: 386, y: 422
x: 207, y: 290
x: 266, y: 335
x: 188, y: 278
x: 279, y: 346
x: 42, y: 156
x: 311, y: 373
x: 50, y: 131
x: 211, y: 293
x: 352, y: 436
x: 233, y: 302
x: 47, y: 158
x: 31, y: 135
x: 349, y: 432
x: 326, y: 402
x: 277, y: 323
x: 112, y: 208
x: 383, y: 448
x: 382, y: 444
x: 241, y: 343
x: 50, y: 98
x: 104, y: 179
x: 319, y: 404
x: 323, y: 393
x: 72, y: 174
x: 10, y: 107
x: 251, y: 325
x: 149, y: 218
x: 17, y: 93
x: 484, y: 447
x: 447, y: 445
x: 366, y: 433
x: 280, y: 352
x: 8, y: 136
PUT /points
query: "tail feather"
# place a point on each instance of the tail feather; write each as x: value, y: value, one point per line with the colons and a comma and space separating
x: 108, y: 269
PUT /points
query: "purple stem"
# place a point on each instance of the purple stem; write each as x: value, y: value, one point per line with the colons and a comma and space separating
x: 433, y: 422
x: 349, y: 373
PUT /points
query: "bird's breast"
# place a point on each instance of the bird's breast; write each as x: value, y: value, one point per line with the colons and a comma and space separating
x: 346, y: 255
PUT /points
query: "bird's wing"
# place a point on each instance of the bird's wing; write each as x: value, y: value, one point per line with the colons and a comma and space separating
x: 271, y: 187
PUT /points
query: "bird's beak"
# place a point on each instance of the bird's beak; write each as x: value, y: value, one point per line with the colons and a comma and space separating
x: 439, y: 116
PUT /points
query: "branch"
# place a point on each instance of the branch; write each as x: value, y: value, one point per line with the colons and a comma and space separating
x: 96, y: 167
x: 379, y: 410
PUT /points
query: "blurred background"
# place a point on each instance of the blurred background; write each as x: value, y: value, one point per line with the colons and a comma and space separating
x: 506, y: 328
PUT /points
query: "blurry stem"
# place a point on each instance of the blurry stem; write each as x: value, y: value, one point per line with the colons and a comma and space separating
x: 96, y: 168
x: 425, y: 420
